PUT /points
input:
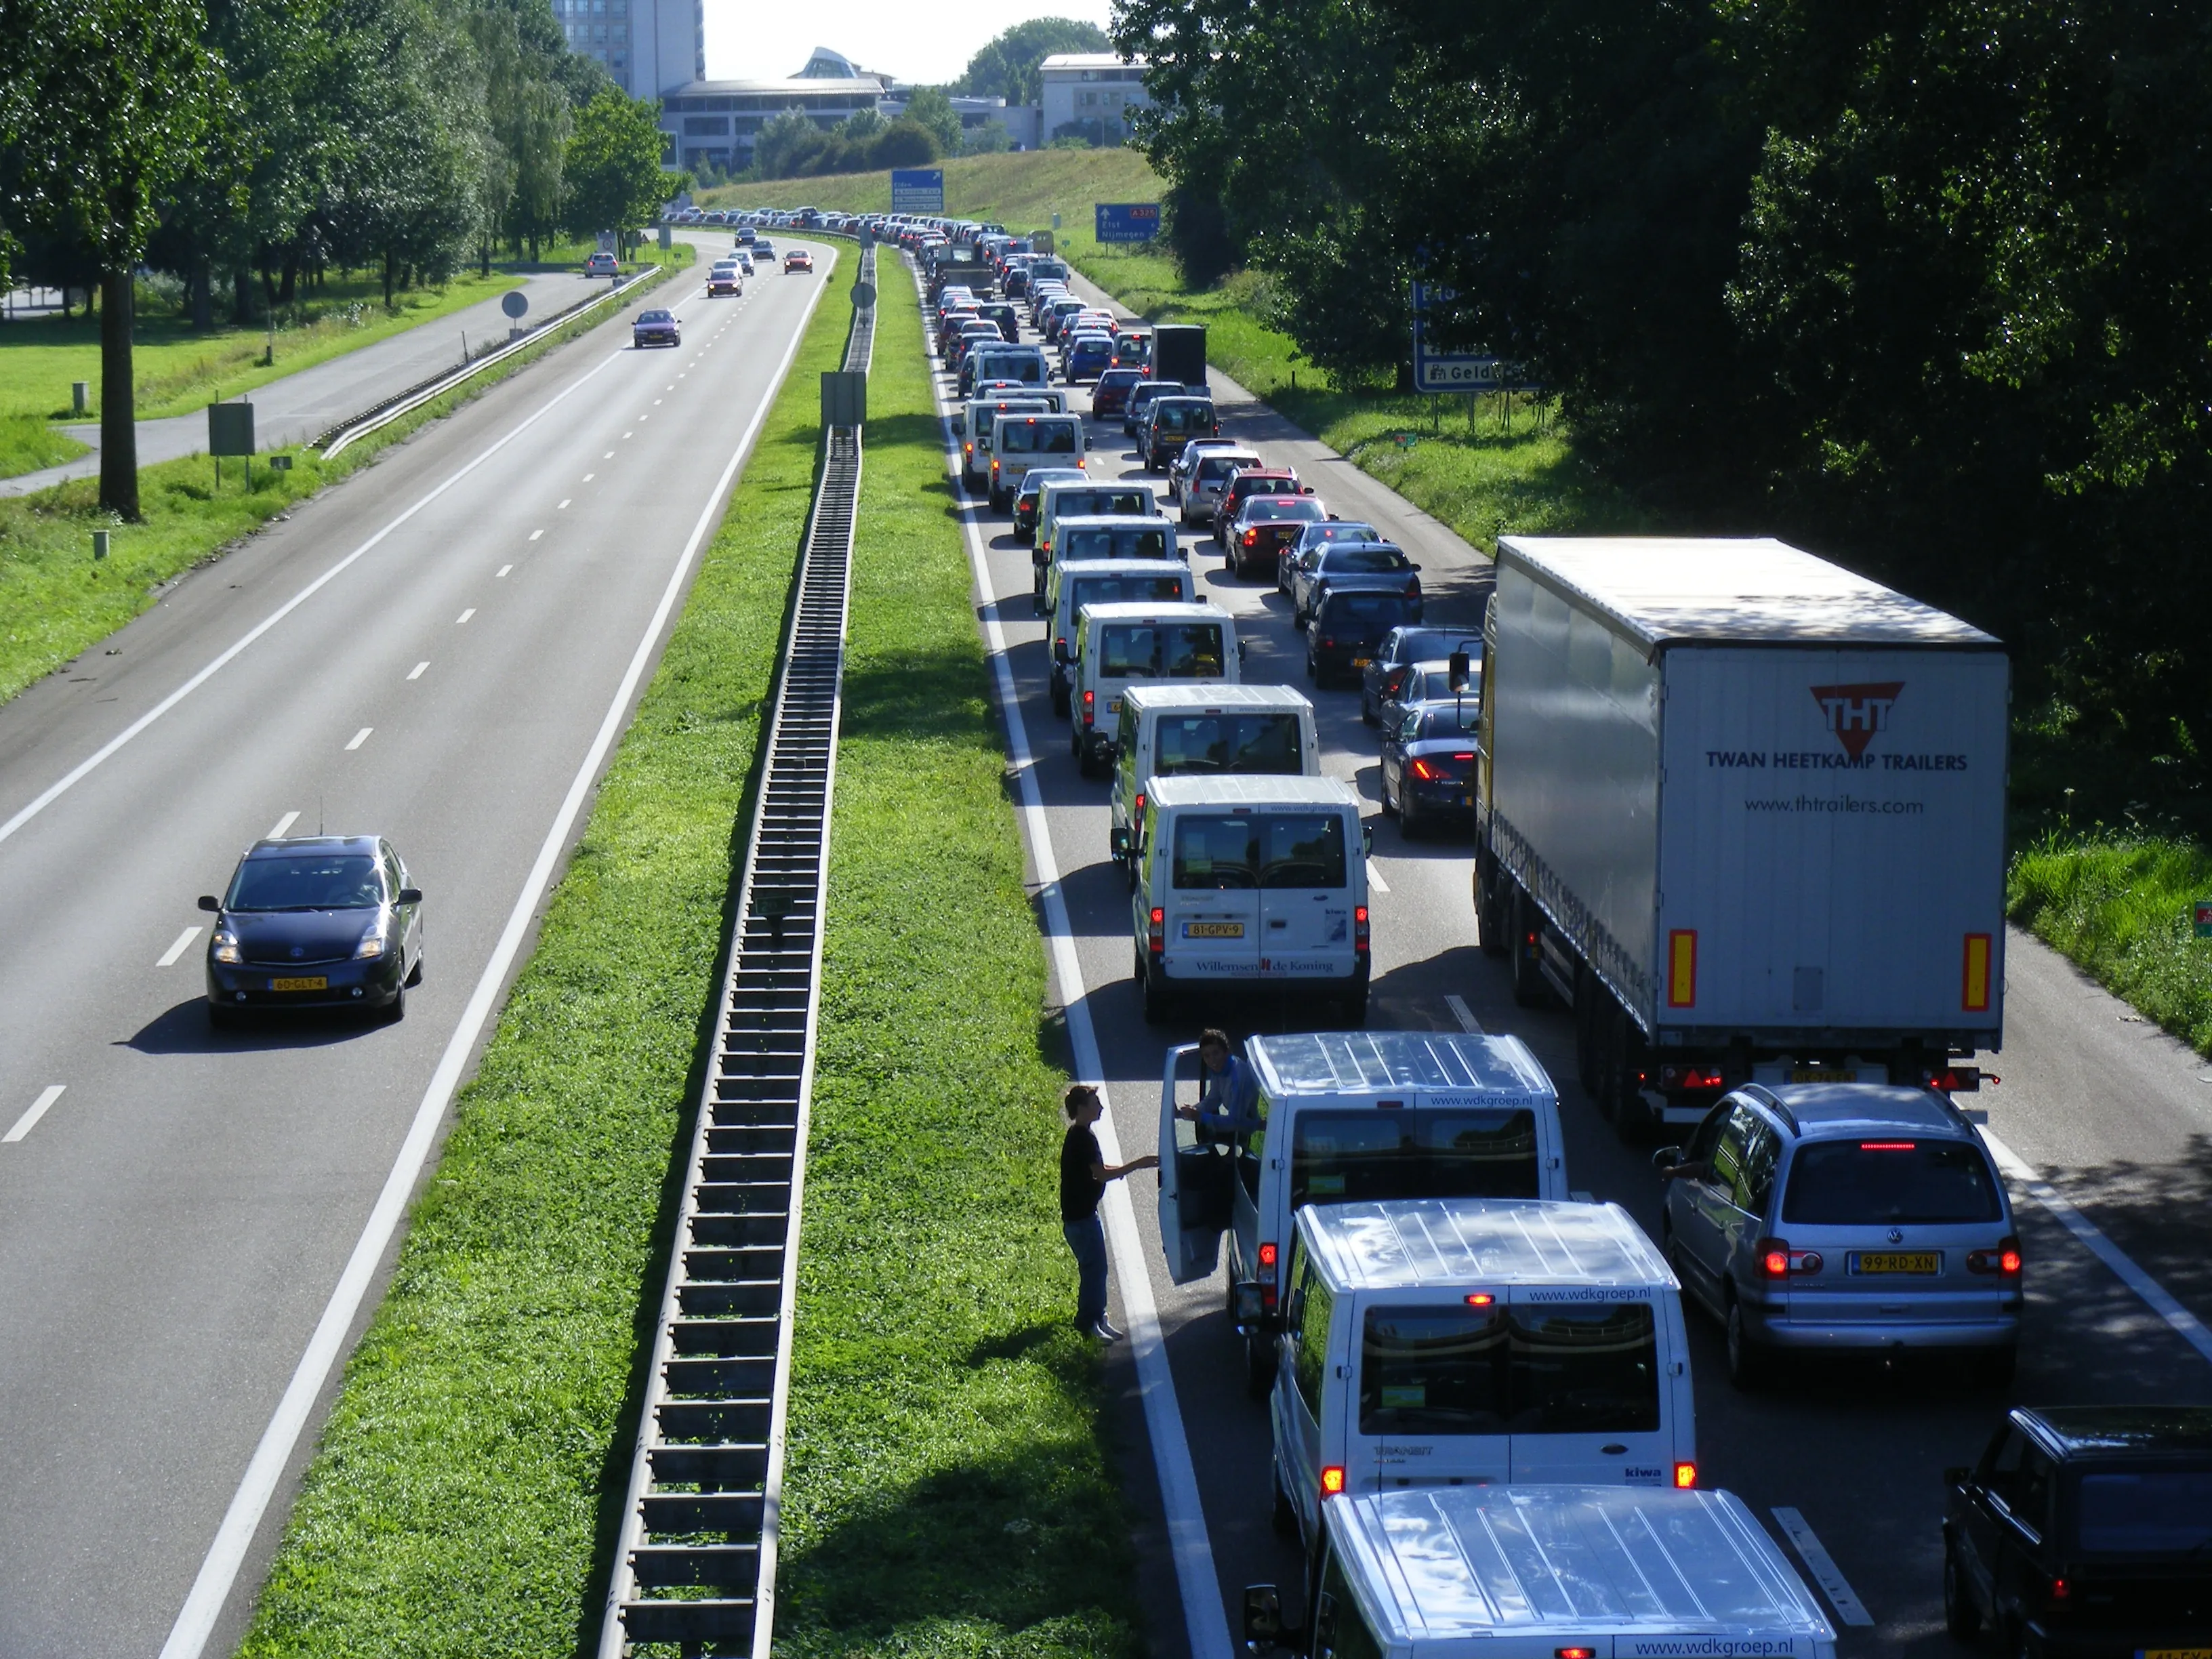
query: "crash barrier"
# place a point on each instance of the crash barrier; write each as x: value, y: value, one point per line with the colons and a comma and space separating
x: 706, y: 1479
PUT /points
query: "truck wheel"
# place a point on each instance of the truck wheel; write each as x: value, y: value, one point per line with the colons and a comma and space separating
x: 1259, y: 1367
x: 1529, y: 990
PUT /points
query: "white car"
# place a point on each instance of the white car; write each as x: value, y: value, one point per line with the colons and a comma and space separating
x: 602, y: 264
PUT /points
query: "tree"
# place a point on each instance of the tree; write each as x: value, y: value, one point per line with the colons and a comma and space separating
x: 903, y: 144
x: 932, y: 110
x: 107, y: 105
x: 612, y: 169
x: 991, y: 139
x: 1008, y: 67
x: 785, y: 141
x: 865, y: 123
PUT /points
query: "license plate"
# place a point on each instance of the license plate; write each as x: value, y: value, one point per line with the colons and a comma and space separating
x: 1213, y: 930
x: 1898, y: 1262
x: 315, y: 982
x: 1823, y: 1074
x: 1361, y: 662
x: 2173, y: 1653
x: 1113, y: 705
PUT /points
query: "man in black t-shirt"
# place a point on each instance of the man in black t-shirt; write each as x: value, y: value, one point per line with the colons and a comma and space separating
x: 1083, y: 1173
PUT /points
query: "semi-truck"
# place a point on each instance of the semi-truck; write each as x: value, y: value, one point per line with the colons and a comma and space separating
x: 1742, y: 812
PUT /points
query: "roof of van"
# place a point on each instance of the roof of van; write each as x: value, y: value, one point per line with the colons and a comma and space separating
x: 1440, y: 1564
x: 1253, y: 790
x: 1667, y: 589
x: 1071, y: 568
x: 1211, y: 694
x: 1138, y: 611
x: 1409, y: 1243
x: 1409, y: 1062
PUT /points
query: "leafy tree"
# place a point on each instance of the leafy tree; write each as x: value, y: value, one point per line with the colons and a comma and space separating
x: 864, y: 123
x: 613, y: 173
x: 931, y: 109
x: 903, y: 143
x: 991, y: 139
x: 1008, y: 67
x: 786, y: 139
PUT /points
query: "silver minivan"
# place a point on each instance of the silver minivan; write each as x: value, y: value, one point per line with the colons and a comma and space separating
x: 1201, y: 495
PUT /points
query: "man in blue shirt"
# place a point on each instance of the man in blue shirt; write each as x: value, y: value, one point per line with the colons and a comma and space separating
x: 1227, y: 1103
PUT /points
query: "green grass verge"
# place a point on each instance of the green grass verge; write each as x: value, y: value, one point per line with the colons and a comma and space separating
x: 947, y: 1491
x: 55, y: 601
x: 28, y: 443
x: 463, y: 1500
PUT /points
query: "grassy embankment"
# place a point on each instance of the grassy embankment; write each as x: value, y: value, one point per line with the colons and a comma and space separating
x: 55, y: 601
x: 2120, y: 905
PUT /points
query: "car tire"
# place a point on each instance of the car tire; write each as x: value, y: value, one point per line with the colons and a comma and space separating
x: 1259, y: 1367
x: 1994, y: 1368
x: 1409, y: 821
x: 415, y: 972
x: 1382, y: 790
x: 1962, y: 1620
x: 1747, y: 1363
x: 1367, y: 714
x: 221, y: 1018
x: 396, y: 1010
x: 1313, y: 668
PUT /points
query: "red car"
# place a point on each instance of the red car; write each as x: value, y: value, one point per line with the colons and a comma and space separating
x: 1110, y: 396
x: 1264, y: 526
x: 798, y: 259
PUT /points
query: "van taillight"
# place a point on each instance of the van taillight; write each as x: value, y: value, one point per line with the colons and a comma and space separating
x: 2005, y: 1259
x: 1686, y: 1476
x: 1359, y: 936
x: 1090, y: 707
x: 1267, y: 1256
x: 1140, y: 805
x: 1774, y: 1258
x: 1574, y: 1653
x: 1157, y: 930
x: 1332, y: 1480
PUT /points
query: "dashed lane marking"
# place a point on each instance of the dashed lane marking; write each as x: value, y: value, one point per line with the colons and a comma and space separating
x: 1830, y: 1578
x: 416, y: 672
x: 464, y: 615
x: 359, y: 738
x: 501, y: 571
x: 168, y: 957
x: 1464, y: 1015
x: 29, y: 1121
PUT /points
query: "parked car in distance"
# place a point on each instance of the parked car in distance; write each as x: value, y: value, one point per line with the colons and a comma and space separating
x: 314, y: 922
x: 656, y: 327
x: 1401, y: 649
x: 602, y: 264
x: 1428, y: 765
x: 1321, y: 567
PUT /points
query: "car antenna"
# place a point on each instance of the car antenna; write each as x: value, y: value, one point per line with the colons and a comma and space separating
x: 319, y: 811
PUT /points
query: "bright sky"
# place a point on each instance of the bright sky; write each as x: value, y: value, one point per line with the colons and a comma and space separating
x: 747, y: 40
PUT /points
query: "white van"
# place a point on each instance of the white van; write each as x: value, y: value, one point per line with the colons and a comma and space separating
x: 1020, y: 442
x: 1073, y: 583
x: 1118, y: 498
x: 1470, y: 1341
x: 972, y: 426
x: 1212, y: 731
x: 1349, y: 1116
x: 1116, y: 645
x: 1541, y: 1571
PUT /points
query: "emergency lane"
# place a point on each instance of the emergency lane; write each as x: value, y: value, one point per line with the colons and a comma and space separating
x: 1854, y: 1454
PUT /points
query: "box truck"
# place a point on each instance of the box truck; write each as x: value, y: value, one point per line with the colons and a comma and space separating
x: 1179, y: 353
x: 1741, y: 811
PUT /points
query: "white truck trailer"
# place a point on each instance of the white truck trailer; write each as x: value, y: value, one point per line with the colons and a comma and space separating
x: 1743, y: 812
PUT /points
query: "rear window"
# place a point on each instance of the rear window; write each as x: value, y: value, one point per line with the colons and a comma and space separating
x: 1037, y: 438
x: 2145, y: 1512
x: 1878, y: 1184
x: 1524, y: 1371
x: 1358, y: 560
x: 1449, y: 721
x: 1269, y: 509
x: 1260, y: 743
x: 1161, y: 651
x: 1343, y: 532
x: 1135, y: 590
x: 1028, y: 370
x: 1214, y: 851
x: 1184, y: 417
x: 1369, y: 613
x: 1130, y: 543
x: 1354, y: 1157
x: 1214, y: 468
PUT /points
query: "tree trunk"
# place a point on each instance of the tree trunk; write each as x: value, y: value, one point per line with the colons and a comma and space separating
x: 387, y: 279
x: 118, y: 408
x: 290, y: 290
x: 202, y: 282
x: 241, y: 296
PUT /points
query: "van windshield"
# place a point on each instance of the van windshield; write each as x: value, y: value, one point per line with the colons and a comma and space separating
x: 1214, y: 851
x: 1160, y: 650
x: 1878, y: 1184
x: 1353, y: 1157
x: 1036, y: 438
x: 1265, y: 743
x: 1129, y: 543
x: 1028, y: 370
x: 1135, y: 590
x: 1581, y: 1369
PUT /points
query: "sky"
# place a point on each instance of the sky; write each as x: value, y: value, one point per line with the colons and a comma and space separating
x: 748, y: 41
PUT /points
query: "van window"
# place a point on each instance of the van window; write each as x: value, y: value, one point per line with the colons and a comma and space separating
x: 1264, y: 743
x: 1183, y: 417
x: 1889, y: 1182
x: 1433, y: 1371
x: 1113, y: 590
x: 1028, y: 370
x: 1301, y: 850
x: 1360, y: 1156
x: 1038, y: 438
x: 1128, y: 542
x: 1161, y: 651
x: 1215, y: 852
x: 1311, y: 1367
x: 1585, y: 1370
x: 1579, y: 1370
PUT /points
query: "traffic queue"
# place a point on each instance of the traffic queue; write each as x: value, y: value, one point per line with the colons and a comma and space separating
x: 1738, y: 811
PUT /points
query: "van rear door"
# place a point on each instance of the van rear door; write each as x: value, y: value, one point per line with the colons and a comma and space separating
x: 1195, y: 1178
x: 1212, y: 896
x: 1588, y: 1391
x: 1307, y: 892
x: 1426, y: 1404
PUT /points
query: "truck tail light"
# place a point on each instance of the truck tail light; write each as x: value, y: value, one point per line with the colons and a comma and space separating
x: 1360, y: 931
x: 1156, y: 930
x: 1685, y: 1477
x: 1332, y: 1480
x: 1691, y: 1077
x: 2005, y: 1259
x: 1956, y: 1079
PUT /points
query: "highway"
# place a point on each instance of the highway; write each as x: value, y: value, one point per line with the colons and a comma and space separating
x: 2113, y: 1115
x: 441, y: 650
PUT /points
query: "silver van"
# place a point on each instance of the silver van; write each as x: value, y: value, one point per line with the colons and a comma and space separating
x: 1073, y: 583
x: 1117, y: 645
x: 1201, y: 492
x: 1178, y: 731
x: 1020, y: 442
x: 972, y: 426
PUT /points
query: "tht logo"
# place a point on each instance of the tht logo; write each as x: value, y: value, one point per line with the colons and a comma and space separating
x: 1856, y: 712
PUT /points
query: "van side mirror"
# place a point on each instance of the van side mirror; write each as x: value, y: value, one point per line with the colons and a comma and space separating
x: 1242, y: 646
x: 1366, y: 837
x: 1248, y: 1305
x: 210, y: 901
x: 1263, y: 1618
x: 1059, y: 653
x: 1117, y: 842
x: 1461, y: 669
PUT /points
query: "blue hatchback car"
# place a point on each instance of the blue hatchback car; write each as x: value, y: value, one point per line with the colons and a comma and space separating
x: 1089, y: 355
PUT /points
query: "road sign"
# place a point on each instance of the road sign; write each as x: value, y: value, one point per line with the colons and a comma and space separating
x: 1465, y: 371
x: 917, y: 189
x: 1127, y: 221
x: 2204, y: 918
x: 230, y: 428
x: 864, y: 295
x: 514, y: 302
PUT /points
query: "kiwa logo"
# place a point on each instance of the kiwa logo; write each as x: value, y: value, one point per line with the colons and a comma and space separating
x: 1856, y: 712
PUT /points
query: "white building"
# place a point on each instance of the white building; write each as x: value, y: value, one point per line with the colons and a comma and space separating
x: 714, y: 122
x: 1091, y: 94
x: 647, y: 45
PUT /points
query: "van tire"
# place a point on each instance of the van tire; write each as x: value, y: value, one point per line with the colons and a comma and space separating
x: 1748, y: 1363
x: 1259, y: 1367
x: 1962, y: 1620
x: 1062, y: 702
x: 1158, y: 999
x: 998, y: 501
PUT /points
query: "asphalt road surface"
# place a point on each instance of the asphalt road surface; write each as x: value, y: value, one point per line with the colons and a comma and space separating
x: 174, y: 1223
x: 2111, y: 1115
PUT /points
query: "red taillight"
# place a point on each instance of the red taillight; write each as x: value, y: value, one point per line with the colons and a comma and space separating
x: 1327, y: 643
x: 1690, y: 1076
x: 2061, y: 1590
x: 1251, y: 539
x: 1686, y: 1476
x: 1267, y: 1256
x: 2005, y: 1259
x: 1413, y: 590
x: 1574, y: 1653
x: 1425, y: 772
x: 1090, y: 707
x: 2009, y: 1260
x: 1359, y: 935
x: 1480, y: 1299
x: 1332, y: 1480
x: 1774, y: 1258
x: 1138, y: 806
x: 1889, y: 1145
x: 1156, y: 931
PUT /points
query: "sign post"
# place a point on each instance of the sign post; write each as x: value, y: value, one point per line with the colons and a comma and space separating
x: 917, y: 189
x: 1461, y: 371
x: 230, y: 432
x: 1126, y: 221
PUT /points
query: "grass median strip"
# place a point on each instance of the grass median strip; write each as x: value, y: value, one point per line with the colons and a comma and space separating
x: 947, y: 1492
x: 462, y: 1502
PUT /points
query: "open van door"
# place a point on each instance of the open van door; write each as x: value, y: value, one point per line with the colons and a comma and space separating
x: 1195, y: 1178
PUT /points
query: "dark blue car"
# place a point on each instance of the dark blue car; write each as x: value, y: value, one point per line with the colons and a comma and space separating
x: 1428, y: 764
x: 1088, y: 356
x: 316, y: 921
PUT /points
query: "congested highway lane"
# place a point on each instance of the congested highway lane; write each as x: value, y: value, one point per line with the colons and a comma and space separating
x: 1856, y: 1448
x: 478, y: 606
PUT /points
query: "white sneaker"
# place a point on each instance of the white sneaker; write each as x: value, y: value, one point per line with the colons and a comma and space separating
x: 1106, y: 1333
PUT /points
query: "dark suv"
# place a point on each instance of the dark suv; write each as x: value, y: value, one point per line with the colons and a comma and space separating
x: 2085, y: 1531
x: 1347, y: 628
x: 1171, y: 422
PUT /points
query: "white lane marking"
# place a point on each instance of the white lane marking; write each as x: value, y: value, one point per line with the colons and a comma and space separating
x: 588, y: 477
x: 1375, y: 879
x: 535, y: 534
x: 609, y: 456
x: 624, y: 434
x: 1203, y: 1619
x: 657, y: 401
x: 2185, y: 1324
x: 227, y: 1553
x: 1464, y: 1015
x: 416, y: 672
x: 283, y: 825
x: 359, y: 738
x: 168, y: 957
x: 29, y: 1121
x: 464, y: 615
x: 564, y: 503
x: 501, y: 571
x: 84, y: 768
x: 644, y: 417
x: 1833, y: 1584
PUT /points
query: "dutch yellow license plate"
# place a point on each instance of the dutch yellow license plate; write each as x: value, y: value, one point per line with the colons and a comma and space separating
x: 1823, y: 1074
x: 1213, y: 930
x: 2173, y: 1653
x: 312, y: 983
x: 1361, y: 662
x: 1898, y: 1262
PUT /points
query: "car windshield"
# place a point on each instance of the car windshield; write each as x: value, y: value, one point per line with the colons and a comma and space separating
x: 1879, y: 1183
x: 1128, y: 542
x: 1521, y: 1371
x: 1134, y: 590
x: 1263, y: 743
x: 1371, y: 612
x: 1028, y: 438
x: 2144, y: 1511
x: 1160, y: 650
x: 1339, y: 560
x: 654, y: 316
x: 306, y: 881
x: 1264, y: 509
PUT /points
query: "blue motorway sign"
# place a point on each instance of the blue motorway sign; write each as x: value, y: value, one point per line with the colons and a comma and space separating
x: 1461, y: 371
x: 1127, y: 221
x: 917, y: 189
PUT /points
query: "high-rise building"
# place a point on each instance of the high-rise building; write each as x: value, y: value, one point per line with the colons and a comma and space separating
x: 647, y: 45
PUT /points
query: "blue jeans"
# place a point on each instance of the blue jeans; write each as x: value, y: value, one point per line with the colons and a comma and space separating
x: 1087, y: 1239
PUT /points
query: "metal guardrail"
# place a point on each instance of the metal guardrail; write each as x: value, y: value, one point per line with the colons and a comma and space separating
x: 706, y: 1477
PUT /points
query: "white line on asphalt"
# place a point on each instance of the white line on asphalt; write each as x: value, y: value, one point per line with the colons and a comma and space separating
x: 219, y: 1571
x: 588, y: 477
x: 169, y: 958
x: 416, y: 672
x: 359, y: 737
x: 283, y: 825
x: 501, y: 571
x: 535, y: 534
x: 564, y: 503
x: 1203, y: 1619
x: 1375, y: 879
x: 644, y: 417
x: 2185, y: 1324
x: 624, y: 434
x: 29, y: 1121
x: 657, y: 401
x: 1464, y: 1015
x: 1833, y: 1584
x: 609, y: 456
x: 464, y: 615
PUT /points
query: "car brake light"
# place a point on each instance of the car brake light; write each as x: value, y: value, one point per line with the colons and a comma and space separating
x: 1423, y: 771
x: 1251, y: 537
x: 1090, y: 707
x: 1888, y: 1146
x: 2061, y: 1590
x: 1359, y: 938
x: 1685, y: 1477
x: 1327, y: 641
x: 2005, y: 1259
x: 1774, y: 1258
x: 1157, y: 930
x: 1413, y: 590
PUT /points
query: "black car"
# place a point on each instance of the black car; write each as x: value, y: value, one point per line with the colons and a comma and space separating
x: 1428, y: 764
x: 1142, y: 396
x: 1347, y: 630
x: 1319, y: 535
x: 2085, y: 1531
x: 1009, y: 321
x: 316, y: 921
x: 1385, y: 673
x: 1429, y: 681
x: 1323, y: 567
